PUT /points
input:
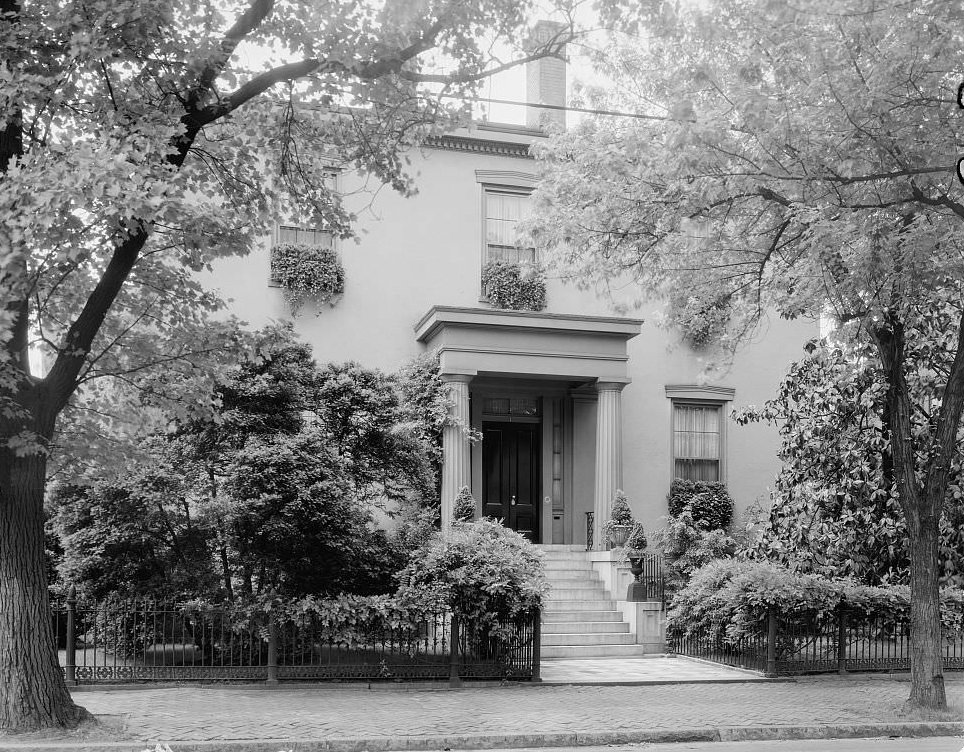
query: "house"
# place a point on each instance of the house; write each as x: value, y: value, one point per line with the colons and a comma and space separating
x: 573, y: 402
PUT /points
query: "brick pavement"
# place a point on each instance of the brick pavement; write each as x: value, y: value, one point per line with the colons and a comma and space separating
x: 347, y: 712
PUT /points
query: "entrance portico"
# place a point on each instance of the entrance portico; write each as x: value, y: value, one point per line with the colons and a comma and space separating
x: 544, y: 393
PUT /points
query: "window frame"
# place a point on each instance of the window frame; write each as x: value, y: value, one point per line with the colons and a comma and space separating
x: 332, y: 178
x: 685, y: 395
x: 504, y: 190
x: 505, y: 181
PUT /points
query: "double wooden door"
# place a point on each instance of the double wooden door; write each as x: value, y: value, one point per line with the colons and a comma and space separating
x: 512, y: 475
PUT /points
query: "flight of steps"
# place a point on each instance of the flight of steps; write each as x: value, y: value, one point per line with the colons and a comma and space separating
x: 580, y: 619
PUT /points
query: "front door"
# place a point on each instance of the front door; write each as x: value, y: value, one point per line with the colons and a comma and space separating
x: 511, y: 475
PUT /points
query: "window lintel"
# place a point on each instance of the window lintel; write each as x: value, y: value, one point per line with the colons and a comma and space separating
x: 704, y: 393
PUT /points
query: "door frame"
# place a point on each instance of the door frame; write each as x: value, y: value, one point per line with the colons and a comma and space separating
x: 551, y: 394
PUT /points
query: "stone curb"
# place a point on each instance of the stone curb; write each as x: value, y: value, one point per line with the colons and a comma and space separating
x: 513, y: 741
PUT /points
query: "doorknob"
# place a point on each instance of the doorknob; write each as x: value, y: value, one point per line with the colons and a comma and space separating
x: 512, y: 501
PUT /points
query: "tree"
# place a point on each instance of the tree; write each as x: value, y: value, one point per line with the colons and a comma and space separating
x: 798, y: 162
x: 138, y: 145
x: 836, y: 510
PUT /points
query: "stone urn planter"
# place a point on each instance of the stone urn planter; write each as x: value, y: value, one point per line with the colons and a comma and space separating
x: 618, y: 535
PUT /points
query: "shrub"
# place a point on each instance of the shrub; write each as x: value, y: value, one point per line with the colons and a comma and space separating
x: 739, y: 594
x: 483, y: 571
x: 517, y: 287
x: 708, y: 502
x: 305, y: 271
x: 464, y: 507
x: 636, y: 542
x: 687, y: 547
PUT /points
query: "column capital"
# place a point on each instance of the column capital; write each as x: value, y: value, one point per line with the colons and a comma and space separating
x: 610, y: 386
x: 457, y: 378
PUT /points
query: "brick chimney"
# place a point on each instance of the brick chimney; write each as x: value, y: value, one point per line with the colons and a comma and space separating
x: 545, y: 79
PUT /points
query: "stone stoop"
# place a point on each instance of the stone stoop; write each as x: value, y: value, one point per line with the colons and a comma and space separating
x: 580, y: 619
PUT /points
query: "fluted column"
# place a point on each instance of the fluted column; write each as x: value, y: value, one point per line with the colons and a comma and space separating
x: 456, y: 454
x: 609, y: 454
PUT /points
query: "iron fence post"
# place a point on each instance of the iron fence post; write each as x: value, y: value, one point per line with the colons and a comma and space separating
x: 590, y: 532
x: 841, y: 640
x: 771, y: 669
x: 272, y: 650
x: 537, y: 647
x: 70, y: 664
x: 454, y: 679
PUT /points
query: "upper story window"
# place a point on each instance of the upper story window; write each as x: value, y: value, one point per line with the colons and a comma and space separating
x: 504, y: 209
x: 697, y: 441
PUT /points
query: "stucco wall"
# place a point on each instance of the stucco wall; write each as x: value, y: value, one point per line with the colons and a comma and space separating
x: 426, y: 250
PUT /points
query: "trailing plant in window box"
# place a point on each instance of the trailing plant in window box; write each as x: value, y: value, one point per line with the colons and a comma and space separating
x: 516, y: 287
x: 306, y: 271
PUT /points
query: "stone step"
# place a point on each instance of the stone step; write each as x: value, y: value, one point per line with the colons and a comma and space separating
x: 577, y: 593
x: 583, y: 604
x: 584, y: 627
x: 560, y: 616
x: 569, y: 576
x: 589, y: 638
x: 592, y: 651
x: 556, y: 547
x: 568, y: 572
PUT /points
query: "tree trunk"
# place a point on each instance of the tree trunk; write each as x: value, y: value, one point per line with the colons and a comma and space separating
x: 33, y: 693
x: 926, y: 655
x: 922, y: 506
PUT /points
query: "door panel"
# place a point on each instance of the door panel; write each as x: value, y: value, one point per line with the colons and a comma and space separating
x: 511, y: 475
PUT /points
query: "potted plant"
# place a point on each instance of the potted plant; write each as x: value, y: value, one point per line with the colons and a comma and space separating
x: 636, y: 549
x: 620, y: 520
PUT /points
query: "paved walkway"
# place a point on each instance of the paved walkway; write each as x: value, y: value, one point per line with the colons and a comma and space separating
x: 352, y: 718
x: 520, y: 715
x: 656, y: 669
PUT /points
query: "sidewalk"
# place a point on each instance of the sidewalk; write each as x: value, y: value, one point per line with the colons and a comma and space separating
x: 351, y: 718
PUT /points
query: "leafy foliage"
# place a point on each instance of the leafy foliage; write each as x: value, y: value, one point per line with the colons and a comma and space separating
x: 305, y: 272
x: 620, y: 515
x: 708, y: 502
x: 688, y: 545
x: 739, y: 593
x: 139, y: 146
x: 636, y: 543
x: 481, y: 570
x: 464, y: 508
x: 835, y: 509
x: 800, y: 164
x: 275, y: 489
x: 517, y: 287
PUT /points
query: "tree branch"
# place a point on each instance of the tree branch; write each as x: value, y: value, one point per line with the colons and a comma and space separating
x: 244, y: 25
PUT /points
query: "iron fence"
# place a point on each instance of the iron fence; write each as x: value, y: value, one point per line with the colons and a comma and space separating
x: 809, y: 643
x: 150, y: 641
x: 651, y: 583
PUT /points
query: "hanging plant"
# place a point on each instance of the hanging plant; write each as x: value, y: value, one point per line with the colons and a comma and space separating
x: 517, y: 287
x: 307, y: 271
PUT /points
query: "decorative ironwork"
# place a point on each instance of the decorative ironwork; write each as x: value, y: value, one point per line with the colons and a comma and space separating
x: 146, y: 641
x: 811, y: 643
x: 590, y: 519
